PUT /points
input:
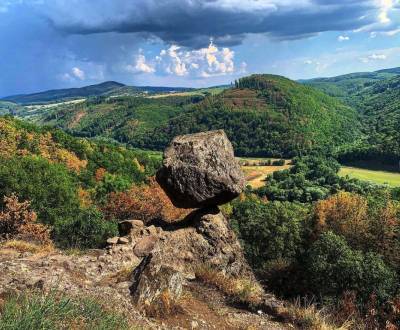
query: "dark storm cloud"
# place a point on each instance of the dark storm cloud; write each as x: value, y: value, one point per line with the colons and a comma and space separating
x: 192, y: 22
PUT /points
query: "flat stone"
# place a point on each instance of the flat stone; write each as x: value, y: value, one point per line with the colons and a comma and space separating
x: 112, y: 240
x: 151, y: 279
x: 123, y: 240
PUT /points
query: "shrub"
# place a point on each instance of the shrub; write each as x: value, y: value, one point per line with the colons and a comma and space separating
x: 51, y: 189
x: 146, y: 202
x: 269, y: 231
x: 369, y: 223
x: 345, y: 214
x: 279, y: 162
x: 87, y: 230
x: 332, y: 268
x: 17, y: 221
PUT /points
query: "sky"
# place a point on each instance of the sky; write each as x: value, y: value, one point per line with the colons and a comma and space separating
x: 50, y: 44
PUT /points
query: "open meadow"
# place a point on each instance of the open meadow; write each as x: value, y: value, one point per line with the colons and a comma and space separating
x: 381, y: 177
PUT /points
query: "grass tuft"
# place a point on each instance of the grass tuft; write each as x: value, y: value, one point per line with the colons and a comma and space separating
x: 23, y: 246
x: 35, y: 310
x: 241, y: 290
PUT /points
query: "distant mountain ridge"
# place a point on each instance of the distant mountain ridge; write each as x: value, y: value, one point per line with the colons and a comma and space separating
x: 108, y: 88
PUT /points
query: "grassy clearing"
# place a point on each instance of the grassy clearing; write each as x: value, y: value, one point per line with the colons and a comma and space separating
x: 380, y: 177
x: 35, y: 310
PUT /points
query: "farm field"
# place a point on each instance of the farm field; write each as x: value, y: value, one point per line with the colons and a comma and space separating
x: 381, y: 177
x: 255, y: 174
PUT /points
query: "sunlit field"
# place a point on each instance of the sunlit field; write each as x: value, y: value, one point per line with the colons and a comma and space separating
x: 381, y: 177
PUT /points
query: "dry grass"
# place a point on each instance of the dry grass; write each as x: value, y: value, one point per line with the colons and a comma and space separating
x: 242, y: 290
x: 255, y: 175
x: 163, y: 307
x: 310, y: 318
x: 23, y: 246
x: 121, y: 275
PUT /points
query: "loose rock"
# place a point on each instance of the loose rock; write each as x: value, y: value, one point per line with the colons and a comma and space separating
x: 144, y: 247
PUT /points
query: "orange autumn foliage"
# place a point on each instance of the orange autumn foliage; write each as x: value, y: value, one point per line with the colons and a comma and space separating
x: 99, y: 174
x: 18, y: 221
x: 345, y: 214
x: 147, y: 202
x: 363, y: 225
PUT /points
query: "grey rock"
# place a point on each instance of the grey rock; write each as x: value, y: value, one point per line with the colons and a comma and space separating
x: 200, y: 170
x: 151, y: 279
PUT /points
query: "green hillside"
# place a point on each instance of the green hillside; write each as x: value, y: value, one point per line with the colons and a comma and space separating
x: 380, y: 108
x: 125, y: 119
x: 266, y: 115
x: 376, y: 96
x: 345, y: 86
x: 263, y: 115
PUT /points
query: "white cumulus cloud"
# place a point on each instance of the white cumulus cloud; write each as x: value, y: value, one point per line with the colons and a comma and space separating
x: 78, y: 73
x: 373, y: 57
x: 343, y: 38
x: 204, y: 62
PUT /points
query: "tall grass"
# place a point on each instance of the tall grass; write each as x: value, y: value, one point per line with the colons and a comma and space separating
x: 34, y: 311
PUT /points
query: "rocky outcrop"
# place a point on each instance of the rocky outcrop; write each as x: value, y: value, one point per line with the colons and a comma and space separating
x: 200, y: 170
x: 155, y: 283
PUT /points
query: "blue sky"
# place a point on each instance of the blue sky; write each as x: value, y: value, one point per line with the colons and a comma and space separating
x: 47, y: 44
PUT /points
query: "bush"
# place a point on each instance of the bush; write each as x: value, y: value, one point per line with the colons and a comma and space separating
x: 51, y: 189
x: 87, y: 230
x: 269, y: 231
x: 332, y: 268
x: 17, y: 221
x: 146, y: 202
x: 279, y: 162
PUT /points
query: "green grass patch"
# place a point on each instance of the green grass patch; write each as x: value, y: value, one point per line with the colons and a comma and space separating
x: 34, y: 310
x: 380, y: 177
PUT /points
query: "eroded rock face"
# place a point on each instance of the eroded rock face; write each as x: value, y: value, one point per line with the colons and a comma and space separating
x: 153, y: 281
x: 200, y: 170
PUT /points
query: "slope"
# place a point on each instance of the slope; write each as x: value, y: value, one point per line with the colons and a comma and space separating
x: 266, y: 115
x: 346, y: 85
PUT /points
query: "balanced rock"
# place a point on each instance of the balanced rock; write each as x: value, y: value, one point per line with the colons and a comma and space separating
x: 200, y: 170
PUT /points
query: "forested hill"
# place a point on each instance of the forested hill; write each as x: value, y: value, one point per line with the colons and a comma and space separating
x: 108, y: 88
x: 376, y: 97
x: 266, y: 115
x: 379, y: 106
x: 346, y: 85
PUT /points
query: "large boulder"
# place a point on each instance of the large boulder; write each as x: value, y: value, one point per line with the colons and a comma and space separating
x: 200, y: 170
